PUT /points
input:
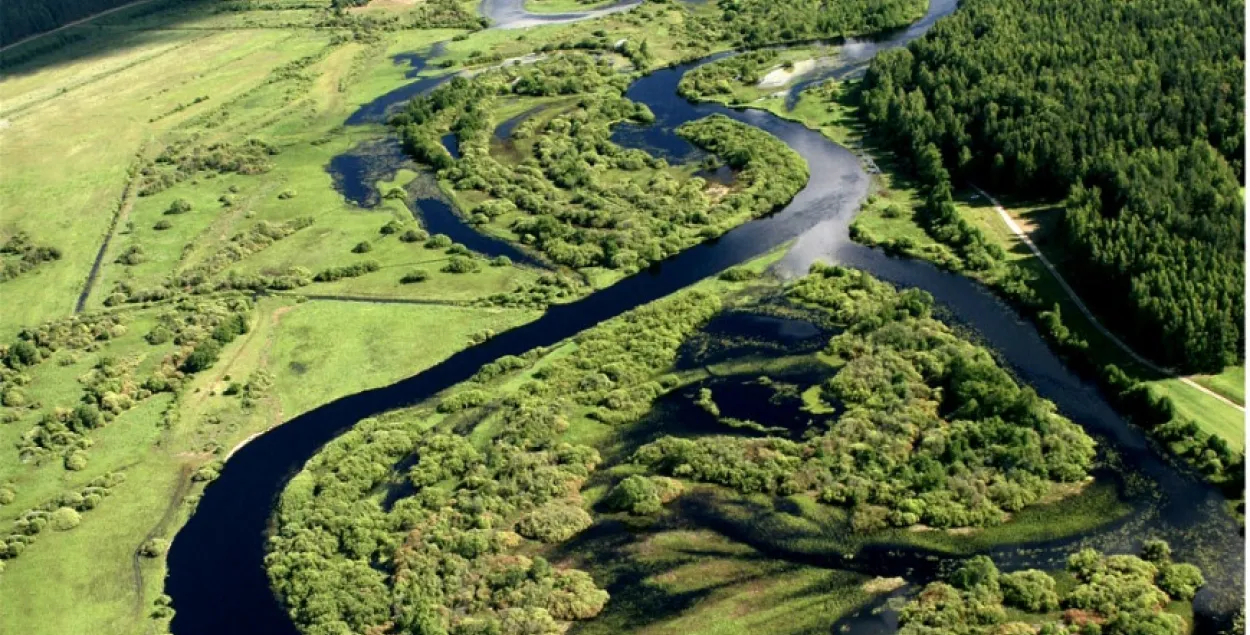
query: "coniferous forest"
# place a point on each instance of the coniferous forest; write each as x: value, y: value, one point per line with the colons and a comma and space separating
x: 1133, y: 112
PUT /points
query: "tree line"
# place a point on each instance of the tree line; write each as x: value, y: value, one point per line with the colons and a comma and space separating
x: 1131, y: 110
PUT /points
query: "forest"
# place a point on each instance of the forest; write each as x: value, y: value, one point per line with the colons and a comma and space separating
x: 574, y: 195
x: 1130, y: 111
x: 1099, y: 593
x: 23, y: 18
x: 438, y: 518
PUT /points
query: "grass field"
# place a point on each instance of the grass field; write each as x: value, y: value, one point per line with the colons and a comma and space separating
x: 72, y: 125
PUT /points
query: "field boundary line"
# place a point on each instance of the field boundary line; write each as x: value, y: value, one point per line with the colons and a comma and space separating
x: 1028, y: 242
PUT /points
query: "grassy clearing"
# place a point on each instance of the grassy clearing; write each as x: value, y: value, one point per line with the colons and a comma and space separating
x: 1231, y: 383
x: 697, y: 581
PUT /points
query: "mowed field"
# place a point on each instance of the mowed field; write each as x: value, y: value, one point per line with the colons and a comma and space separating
x: 77, y: 126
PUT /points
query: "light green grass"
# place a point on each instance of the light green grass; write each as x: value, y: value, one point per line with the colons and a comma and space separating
x: 384, y: 343
x: 1231, y: 383
x: 1212, y: 415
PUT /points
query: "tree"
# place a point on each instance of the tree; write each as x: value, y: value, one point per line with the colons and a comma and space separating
x: 1030, y: 590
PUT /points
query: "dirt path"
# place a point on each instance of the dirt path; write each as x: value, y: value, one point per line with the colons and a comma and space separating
x: 1024, y: 237
x: 171, y: 510
x: 72, y: 24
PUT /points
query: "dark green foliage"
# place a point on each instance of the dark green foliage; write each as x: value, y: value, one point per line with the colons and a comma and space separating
x: 930, y: 419
x: 462, y: 264
x: 1030, y: 590
x: 564, y: 199
x: 19, y: 254
x: 642, y: 495
x: 348, y: 271
x: 179, y: 206
x: 1123, y: 594
x: 1134, y: 110
x: 391, y: 227
x: 737, y: 274
x: 162, y: 225
x: 438, y: 241
x: 554, y: 522
x: 180, y: 162
x: 132, y: 256
x: 414, y: 276
x: 362, y: 247
x: 720, y: 77
x: 759, y: 22
x: 203, y: 357
x: 23, y: 18
x: 414, y: 235
x: 451, y: 561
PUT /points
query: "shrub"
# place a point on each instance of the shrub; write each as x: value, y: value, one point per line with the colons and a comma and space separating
x: 64, y: 519
x: 391, y: 227
x: 179, y: 206
x: 1030, y: 590
x: 286, y: 194
x: 158, y: 335
x: 13, y: 398
x: 554, y: 522
x: 162, y: 225
x: 76, y: 461
x: 362, y: 247
x: 416, y: 275
x: 737, y: 274
x: 414, y: 236
x: 203, y: 357
x: 501, y: 261
x: 461, y: 264
x: 347, y: 271
x: 640, y: 495
x: 154, y: 548
x: 1180, y: 581
x: 7, y: 495
x: 438, y: 241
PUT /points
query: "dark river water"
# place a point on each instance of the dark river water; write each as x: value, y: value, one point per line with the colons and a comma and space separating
x: 216, y: 576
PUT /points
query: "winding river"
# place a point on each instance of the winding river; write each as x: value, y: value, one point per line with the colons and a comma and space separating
x: 216, y: 577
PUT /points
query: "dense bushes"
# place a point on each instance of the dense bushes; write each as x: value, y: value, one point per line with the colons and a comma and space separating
x: 576, y: 196
x: 19, y: 254
x: 759, y: 22
x: 1134, y: 109
x: 442, y: 558
x: 934, y: 431
x: 353, y: 270
x: 1118, y: 594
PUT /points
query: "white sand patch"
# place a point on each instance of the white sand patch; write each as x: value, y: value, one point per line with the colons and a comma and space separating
x: 781, y: 76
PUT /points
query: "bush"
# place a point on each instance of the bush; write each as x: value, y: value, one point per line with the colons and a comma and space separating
x: 501, y: 261
x: 76, y: 461
x: 1030, y: 590
x: 641, y: 495
x: 414, y: 276
x: 179, y: 206
x: 1180, y: 581
x: 347, y: 271
x: 737, y: 274
x: 64, y: 519
x: 414, y: 236
x: 391, y: 227
x: 362, y: 247
x: 154, y: 548
x: 13, y: 398
x: 203, y: 357
x: 554, y: 522
x: 162, y: 225
x: 7, y: 495
x: 461, y: 264
x: 438, y: 241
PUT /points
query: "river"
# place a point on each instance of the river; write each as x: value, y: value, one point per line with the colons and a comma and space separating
x: 216, y: 576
